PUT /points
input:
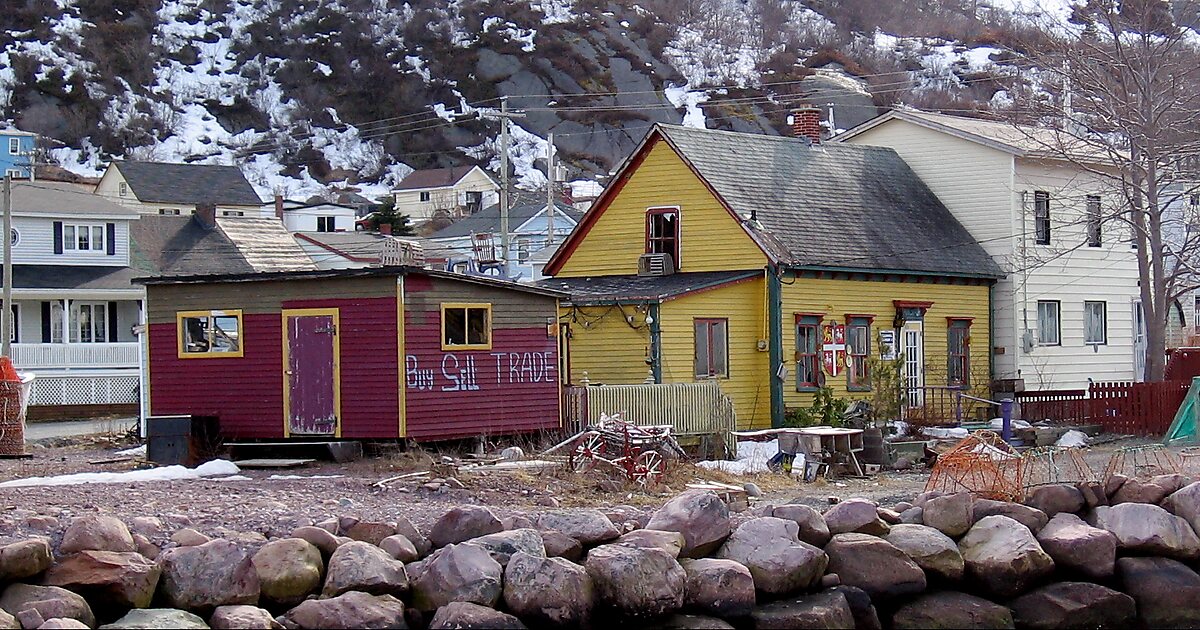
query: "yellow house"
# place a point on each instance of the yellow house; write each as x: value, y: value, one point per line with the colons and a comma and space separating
x: 777, y: 266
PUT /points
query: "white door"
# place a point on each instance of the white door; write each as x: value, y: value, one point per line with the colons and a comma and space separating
x: 912, y: 344
x: 1139, y: 342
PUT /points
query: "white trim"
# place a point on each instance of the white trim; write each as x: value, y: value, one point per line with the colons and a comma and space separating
x: 78, y: 294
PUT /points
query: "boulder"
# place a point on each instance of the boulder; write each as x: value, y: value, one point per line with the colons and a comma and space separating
x: 116, y: 579
x: 49, y: 601
x: 913, y: 516
x: 548, y: 591
x: 188, y: 537
x: 242, y: 618
x: 1166, y: 591
x: 1148, y: 529
x: 24, y: 559
x: 1172, y: 481
x: 693, y: 622
x: 560, y: 545
x: 636, y: 583
x: 950, y: 609
x: 723, y: 588
x: 62, y: 623
x: 1003, y: 556
x: 462, y: 524
x: 1184, y: 503
x: 370, y: 531
x: 813, y: 529
x: 779, y: 562
x: 156, y: 618
x: 1093, y: 494
x: 1032, y: 518
x: 865, y: 617
x: 875, y: 566
x: 1137, y: 491
x: 502, y: 545
x: 855, y: 515
x: 97, y: 533
x: 1056, y: 498
x: 348, y: 611
x: 828, y: 609
x: 701, y: 516
x: 360, y: 566
x: 8, y: 622
x: 933, y: 551
x: 457, y: 573
x: 31, y: 618
x: 1114, y: 483
x: 400, y: 548
x: 589, y: 527
x: 466, y: 615
x: 318, y: 537
x: 950, y: 514
x: 200, y: 578
x: 288, y: 570
x: 670, y: 542
x: 146, y: 525
x: 1076, y: 546
x: 1073, y: 605
x: 891, y: 517
x: 145, y: 547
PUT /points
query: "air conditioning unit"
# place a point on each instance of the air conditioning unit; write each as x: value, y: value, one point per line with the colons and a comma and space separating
x: 655, y: 265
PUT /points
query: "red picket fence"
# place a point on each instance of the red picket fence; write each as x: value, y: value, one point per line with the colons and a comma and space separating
x: 1120, y: 407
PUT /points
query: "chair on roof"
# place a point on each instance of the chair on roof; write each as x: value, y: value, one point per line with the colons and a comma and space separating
x: 483, y: 245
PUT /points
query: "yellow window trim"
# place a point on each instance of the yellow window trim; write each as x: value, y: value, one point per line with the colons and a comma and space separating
x: 179, y: 334
x: 467, y: 346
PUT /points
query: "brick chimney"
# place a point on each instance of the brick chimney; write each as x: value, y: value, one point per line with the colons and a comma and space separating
x: 206, y: 214
x: 806, y: 123
x: 279, y: 207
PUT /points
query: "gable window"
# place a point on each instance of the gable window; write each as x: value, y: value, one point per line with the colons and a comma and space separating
x: 808, y: 351
x: 209, y: 333
x: 425, y: 195
x: 662, y: 232
x: 233, y: 213
x: 1049, y: 326
x: 466, y: 326
x: 89, y: 322
x: 169, y: 211
x: 712, y: 347
x: 1093, y: 221
x: 474, y: 201
x: 1095, y: 323
x: 14, y: 146
x: 1041, y: 217
x: 326, y: 224
x: 958, y: 351
x: 83, y: 238
x: 858, y: 352
x: 122, y: 189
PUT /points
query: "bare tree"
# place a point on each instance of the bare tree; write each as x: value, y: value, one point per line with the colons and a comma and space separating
x: 1128, y: 111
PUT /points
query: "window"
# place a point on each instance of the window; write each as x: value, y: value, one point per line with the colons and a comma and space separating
x: 56, y: 322
x: 1041, y: 217
x: 89, y: 322
x: 1049, y: 330
x: 523, y: 247
x: 169, y: 211
x: 958, y: 351
x: 233, y: 213
x: 474, y: 201
x: 122, y: 189
x: 1093, y: 221
x: 83, y: 238
x: 662, y: 232
x: 14, y: 146
x: 808, y: 354
x: 858, y: 352
x: 712, y: 348
x: 326, y: 224
x: 425, y: 195
x: 15, y: 173
x: 1095, y: 323
x: 210, y: 334
x: 15, y: 323
x: 466, y: 326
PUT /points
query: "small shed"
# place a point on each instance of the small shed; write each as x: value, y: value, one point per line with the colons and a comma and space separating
x: 374, y: 353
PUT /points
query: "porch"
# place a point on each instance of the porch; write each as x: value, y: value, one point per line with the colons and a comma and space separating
x: 74, y: 357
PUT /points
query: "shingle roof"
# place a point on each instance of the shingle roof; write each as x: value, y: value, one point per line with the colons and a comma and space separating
x: 178, y: 245
x: 160, y: 182
x: 630, y: 288
x: 433, y: 177
x: 832, y: 205
x: 69, y: 277
x: 367, y: 246
x: 63, y: 199
x: 488, y: 219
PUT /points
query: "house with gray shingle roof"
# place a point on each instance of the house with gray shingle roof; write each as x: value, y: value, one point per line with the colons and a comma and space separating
x: 453, y: 192
x: 178, y: 189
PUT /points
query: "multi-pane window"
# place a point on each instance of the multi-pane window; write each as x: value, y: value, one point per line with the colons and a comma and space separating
x: 958, y: 351
x: 1094, y: 221
x: 466, y: 326
x: 210, y: 333
x: 1095, y: 323
x: 662, y: 232
x: 122, y: 189
x: 858, y: 352
x: 712, y: 348
x: 808, y: 351
x: 1049, y: 325
x: 326, y: 224
x: 14, y: 146
x: 83, y: 238
x: 425, y: 195
x: 1041, y: 217
x: 89, y: 322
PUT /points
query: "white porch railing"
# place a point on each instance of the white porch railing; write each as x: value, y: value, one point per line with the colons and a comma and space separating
x: 31, y: 356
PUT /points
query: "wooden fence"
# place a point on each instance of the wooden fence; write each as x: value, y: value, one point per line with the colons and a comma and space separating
x: 693, y: 409
x: 1120, y: 407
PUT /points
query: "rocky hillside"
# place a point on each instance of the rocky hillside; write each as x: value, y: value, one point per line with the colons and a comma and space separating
x: 310, y: 95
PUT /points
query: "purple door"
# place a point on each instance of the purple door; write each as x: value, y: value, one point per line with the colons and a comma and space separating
x: 312, y: 374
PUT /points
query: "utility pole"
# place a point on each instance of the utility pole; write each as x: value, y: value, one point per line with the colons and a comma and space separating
x: 550, y: 189
x: 6, y: 313
x: 504, y: 117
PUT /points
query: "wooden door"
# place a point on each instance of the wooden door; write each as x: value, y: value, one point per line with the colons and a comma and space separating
x: 312, y: 374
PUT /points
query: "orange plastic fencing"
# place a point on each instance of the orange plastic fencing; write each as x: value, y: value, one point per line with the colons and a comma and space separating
x: 982, y: 464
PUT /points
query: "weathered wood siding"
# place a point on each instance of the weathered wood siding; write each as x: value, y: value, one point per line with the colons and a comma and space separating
x: 711, y: 240
x: 510, y: 388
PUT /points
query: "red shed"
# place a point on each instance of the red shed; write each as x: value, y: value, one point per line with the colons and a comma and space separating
x: 378, y: 353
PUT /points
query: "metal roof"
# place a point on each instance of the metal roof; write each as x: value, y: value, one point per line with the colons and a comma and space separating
x: 191, y: 184
x: 586, y: 291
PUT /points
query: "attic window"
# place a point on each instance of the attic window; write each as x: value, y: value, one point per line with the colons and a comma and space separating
x: 662, y: 232
x: 425, y: 195
x: 122, y: 189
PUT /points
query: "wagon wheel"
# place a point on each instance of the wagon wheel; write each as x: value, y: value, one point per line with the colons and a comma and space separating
x: 648, y: 468
x: 588, y: 449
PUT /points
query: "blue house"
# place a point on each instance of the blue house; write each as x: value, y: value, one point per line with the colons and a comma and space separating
x: 16, y: 152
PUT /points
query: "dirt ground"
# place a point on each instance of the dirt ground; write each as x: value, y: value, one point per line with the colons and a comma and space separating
x: 273, y: 502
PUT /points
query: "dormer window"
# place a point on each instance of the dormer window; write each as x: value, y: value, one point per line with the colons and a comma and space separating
x: 662, y: 232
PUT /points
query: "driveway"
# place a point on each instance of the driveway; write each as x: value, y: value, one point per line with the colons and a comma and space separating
x: 43, y: 430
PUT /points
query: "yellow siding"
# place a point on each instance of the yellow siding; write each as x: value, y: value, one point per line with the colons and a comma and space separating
x: 835, y: 298
x: 744, y: 305
x: 605, y: 346
x: 711, y: 239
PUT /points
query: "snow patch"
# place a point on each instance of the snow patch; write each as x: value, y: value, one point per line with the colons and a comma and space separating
x: 137, y: 451
x: 752, y: 458
x: 215, y: 468
x: 690, y: 100
x: 1072, y: 438
x: 555, y: 11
